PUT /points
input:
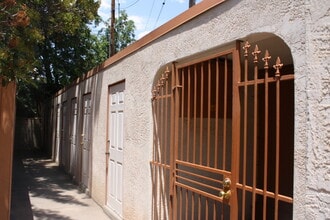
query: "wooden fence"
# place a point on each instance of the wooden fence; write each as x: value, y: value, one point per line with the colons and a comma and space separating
x: 7, y: 125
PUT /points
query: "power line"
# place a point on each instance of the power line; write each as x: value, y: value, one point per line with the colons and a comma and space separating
x: 152, y: 7
x: 161, y: 9
x: 131, y: 4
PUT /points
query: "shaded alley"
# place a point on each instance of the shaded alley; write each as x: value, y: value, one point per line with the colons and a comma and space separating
x: 41, y: 190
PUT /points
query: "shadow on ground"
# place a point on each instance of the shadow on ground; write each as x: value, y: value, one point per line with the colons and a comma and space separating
x: 36, y: 178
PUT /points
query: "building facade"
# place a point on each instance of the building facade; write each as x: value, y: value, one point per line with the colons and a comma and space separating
x: 221, y: 112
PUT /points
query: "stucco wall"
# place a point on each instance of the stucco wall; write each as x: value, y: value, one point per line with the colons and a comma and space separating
x: 303, y: 25
x: 317, y: 106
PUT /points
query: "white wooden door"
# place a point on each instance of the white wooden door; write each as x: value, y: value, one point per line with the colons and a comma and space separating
x: 86, y: 141
x: 73, y: 137
x: 115, y: 148
x: 58, y: 134
x: 64, y: 133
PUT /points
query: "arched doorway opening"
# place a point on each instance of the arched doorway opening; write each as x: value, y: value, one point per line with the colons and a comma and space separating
x: 224, y: 134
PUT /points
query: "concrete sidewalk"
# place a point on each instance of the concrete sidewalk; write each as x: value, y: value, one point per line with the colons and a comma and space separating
x: 41, y: 191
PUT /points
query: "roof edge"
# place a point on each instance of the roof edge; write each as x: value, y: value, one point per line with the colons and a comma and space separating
x: 177, y: 21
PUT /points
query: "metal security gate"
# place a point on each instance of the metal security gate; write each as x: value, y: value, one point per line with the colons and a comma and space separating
x: 265, y: 101
x: 220, y: 139
x: 203, y: 155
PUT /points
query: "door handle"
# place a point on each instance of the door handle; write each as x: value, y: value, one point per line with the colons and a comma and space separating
x: 226, y: 192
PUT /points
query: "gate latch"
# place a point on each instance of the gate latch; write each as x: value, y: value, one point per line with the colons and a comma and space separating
x: 226, y: 193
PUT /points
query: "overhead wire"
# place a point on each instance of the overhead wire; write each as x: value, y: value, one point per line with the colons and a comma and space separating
x: 152, y: 7
x: 161, y: 9
x: 131, y: 4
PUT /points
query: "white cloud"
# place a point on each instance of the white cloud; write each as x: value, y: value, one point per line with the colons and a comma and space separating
x: 138, y: 21
x: 105, y: 4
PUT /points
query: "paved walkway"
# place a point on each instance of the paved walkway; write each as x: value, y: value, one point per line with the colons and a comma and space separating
x: 41, y: 191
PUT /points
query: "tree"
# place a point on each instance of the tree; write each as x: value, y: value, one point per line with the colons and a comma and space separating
x: 66, y: 51
x: 124, y: 32
x: 65, y: 48
x: 16, y: 42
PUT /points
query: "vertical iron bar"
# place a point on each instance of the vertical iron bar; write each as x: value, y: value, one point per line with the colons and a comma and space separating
x: 159, y: 147
x: 244, y: 136
x: 216, y: 144
x: 214, y: 210
x: 164, y: 128
x: 201, y: 117
x: 186, y: 208
x: 235, y: 152
x: 255, y: 130
x: 182, y: 133
x: 225, y: 114
x: 188, y: 114
x: 209, y: 114
x: 154, y: 176
x: 166, y: 118
x: 266, y: 59
x: 195, y: 112
x: 161, y: 189
x: 206, y: 208
x: 180, y: 208
x: 158, y: 126
x: 192, y: 205
x: 174, y: 142
x: 277, y: 146
x: 199, y: 207
x: 161, y: 115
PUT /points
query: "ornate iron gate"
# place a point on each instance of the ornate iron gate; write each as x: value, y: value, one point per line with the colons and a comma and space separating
x: 219, y: 137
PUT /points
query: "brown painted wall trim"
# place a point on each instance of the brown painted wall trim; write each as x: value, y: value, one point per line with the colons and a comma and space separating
x: 181, y: 19
x: 7, y: 126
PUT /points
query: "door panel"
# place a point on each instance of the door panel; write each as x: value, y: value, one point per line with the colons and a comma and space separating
x: 64, y: 151
x: 73, y: 137
x: 58, y: 134
x: 115, y: 147
x: 86, y: 141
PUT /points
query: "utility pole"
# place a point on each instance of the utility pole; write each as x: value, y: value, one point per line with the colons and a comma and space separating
x: 112, y: 30
x: 192, y: 3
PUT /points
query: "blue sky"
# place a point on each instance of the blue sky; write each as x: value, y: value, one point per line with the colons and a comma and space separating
x: 146, y: 14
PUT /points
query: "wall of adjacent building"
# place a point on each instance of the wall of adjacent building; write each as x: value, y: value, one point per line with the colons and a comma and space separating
x: 7, y: 126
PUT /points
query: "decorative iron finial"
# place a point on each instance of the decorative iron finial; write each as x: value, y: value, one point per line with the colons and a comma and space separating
x: 266, y: 59
x: 278, y: 65
x: 255, y: 53
x: 246, y: 48
x: 158, y: 86
x: 162, y: 80
x: 154, y: 92
x: 167, y: 72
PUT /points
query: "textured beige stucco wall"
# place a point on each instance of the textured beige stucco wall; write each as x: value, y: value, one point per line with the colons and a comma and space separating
x: 303, y: 25
x: 317, y: 105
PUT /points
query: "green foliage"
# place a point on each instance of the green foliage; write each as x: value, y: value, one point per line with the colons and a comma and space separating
x: 124, y: 32
x: 46, y: 44
x: 63, y: 46
x: 17, y: 38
